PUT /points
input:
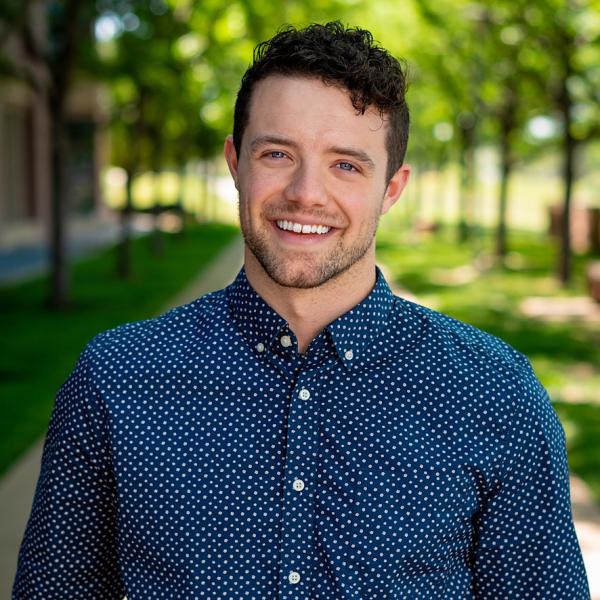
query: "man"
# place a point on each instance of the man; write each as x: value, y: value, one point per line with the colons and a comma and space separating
x: 303, y: 433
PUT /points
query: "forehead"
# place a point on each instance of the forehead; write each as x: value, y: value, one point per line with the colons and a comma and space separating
x: 311, y: 110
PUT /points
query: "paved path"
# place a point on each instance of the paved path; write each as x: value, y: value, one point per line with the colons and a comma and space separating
x: 25, y: 258
x: 25, y: 253
x: 17, y: 487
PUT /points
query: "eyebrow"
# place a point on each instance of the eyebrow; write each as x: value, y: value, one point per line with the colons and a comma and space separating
x: 360, y: 155
x: 265, y: 140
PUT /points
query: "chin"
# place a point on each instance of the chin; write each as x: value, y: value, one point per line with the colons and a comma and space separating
x: 302, y: 277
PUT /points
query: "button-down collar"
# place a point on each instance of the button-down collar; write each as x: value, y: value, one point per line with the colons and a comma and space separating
x: 355, y: 337
x: 355, y: 333
x: 260, y: 325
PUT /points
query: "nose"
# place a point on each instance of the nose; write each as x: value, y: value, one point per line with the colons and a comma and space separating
x: 307, y: 185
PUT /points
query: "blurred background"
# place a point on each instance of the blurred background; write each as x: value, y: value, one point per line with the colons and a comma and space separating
x: 114, y: 197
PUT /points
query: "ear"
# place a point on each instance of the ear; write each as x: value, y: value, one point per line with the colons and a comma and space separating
x: 395, y: 187
x: 231, y: 158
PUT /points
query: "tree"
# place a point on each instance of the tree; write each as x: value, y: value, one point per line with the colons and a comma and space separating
x: 48, y: 66
x: 572, y: 49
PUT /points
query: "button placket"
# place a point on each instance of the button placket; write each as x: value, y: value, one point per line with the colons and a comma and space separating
x: 297, y: 558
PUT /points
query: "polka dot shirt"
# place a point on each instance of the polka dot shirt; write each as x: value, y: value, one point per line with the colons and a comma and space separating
x: 404, y: 455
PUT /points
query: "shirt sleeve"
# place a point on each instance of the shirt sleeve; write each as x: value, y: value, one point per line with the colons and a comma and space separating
x: 69, y: 546
x: 526, y: 542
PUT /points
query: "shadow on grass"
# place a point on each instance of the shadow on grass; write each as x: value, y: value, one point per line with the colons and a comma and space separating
x: 532, y: 337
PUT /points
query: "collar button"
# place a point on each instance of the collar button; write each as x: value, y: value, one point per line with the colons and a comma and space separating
x: 285, y: 341
x: 348, y: 355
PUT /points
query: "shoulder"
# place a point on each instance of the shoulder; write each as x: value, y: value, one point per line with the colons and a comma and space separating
x: 178, y: 326
x: 485, y: 378
x: 469, y: 342
x: 472, y: 361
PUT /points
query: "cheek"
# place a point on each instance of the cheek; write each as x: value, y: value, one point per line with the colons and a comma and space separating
x: 361, y: 208
x: 261, y: 190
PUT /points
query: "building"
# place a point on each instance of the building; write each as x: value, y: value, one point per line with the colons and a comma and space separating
x: 25, y: 166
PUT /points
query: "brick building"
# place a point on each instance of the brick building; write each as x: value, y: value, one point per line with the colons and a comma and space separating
x: 25, y: 177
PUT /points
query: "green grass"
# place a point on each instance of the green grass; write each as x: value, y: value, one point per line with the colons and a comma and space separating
x: 565, y: 355
x: 42, y: 345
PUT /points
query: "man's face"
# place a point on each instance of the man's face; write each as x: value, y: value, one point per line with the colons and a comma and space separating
x: 311, y: 180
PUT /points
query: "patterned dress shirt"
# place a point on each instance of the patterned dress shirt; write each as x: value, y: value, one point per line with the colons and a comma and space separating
x: 404, y: 455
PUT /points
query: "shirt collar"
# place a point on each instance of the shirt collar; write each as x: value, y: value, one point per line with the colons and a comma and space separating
x: 254, y: 318
x: 352, y: 334
x: 355, y: 332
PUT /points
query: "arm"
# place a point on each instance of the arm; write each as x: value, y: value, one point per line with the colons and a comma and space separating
x: 69, y: 549
x: 527, y: 547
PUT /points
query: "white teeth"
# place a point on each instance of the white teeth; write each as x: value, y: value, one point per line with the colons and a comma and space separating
x: 300, y: 228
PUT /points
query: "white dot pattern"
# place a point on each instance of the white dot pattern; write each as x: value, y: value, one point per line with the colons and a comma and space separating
x: 404, y: 455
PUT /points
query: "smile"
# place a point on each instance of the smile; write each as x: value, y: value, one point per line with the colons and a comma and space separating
x: 300, y: 228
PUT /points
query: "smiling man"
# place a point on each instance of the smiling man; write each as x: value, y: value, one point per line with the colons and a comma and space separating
x: 312, y: 172
x: 304, y: 434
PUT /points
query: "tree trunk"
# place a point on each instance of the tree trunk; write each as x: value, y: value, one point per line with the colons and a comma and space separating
x: 181, y: 197
x: 59, y: 275
x: 124, y: 250
x: 505, y: 171
x: 59, y: 63
x: 157, y: 238
x: 205, y: 200
x: 508, y: 123
x: 440, y: 190
x: 466, y: 183
x: 569, y: 149
x: 568, y: 177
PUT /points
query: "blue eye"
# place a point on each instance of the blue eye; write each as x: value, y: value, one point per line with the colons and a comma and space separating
x: 346, y: 166
x: 277, y: 154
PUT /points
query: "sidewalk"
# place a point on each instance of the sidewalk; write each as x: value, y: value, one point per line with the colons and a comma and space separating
x: 24, y: 253
x: 18, y: 485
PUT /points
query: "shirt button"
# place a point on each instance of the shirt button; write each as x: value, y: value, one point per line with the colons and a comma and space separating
x: 298, y: 485
x: 286, y: 341
x: 304, y: 394
x: 260, y: 347
x: 294, y: 577
x: 348, y: 355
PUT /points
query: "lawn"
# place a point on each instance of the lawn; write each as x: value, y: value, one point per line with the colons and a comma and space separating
x: 42, y: 346
x: 462, y: 282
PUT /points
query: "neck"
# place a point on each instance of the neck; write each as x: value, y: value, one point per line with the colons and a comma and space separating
x: 309, y: 311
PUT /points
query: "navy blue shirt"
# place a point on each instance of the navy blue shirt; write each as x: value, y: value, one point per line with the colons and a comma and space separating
x: 404, y: 455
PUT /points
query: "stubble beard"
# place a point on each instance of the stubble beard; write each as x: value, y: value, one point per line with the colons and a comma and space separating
x: 316, y: 270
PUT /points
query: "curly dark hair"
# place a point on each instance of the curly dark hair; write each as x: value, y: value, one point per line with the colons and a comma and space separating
x: 346, y: 57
